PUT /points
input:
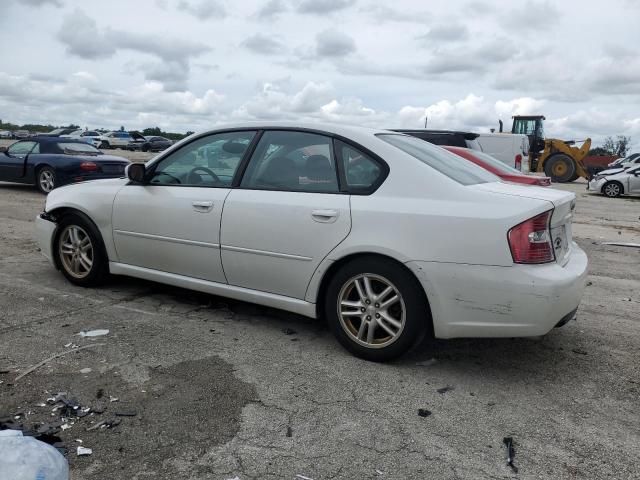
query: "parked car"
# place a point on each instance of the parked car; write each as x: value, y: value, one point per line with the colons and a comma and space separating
x: 18, y: 134
x: 626, y: 161
x: 617, y: 181
x: 151, y: 144
x: 57, y: 132
x: 452, y: 138
x: 6, y: 134
x: 49, y: 162
x: 87, y: 136
x: 512, y: 149
x: 388, y: 237
x: 119, y: 139
x: 498, y: 168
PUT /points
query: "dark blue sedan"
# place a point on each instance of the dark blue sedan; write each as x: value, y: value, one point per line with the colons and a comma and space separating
x: 49, y: 162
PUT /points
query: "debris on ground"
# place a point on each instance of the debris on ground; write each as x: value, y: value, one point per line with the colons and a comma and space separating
x: 93, y: 333
x: 446, y: 389
x: 427, y: 363
x: 85, y: 370
x: 423, y: 412
x: 579, y: 351
x: 511, y: 453
x: 289, y: 331
x: 302, y: 477
x: 53, y: 357
x: 379, y: 472
x: 126, y: 413
x: 82, y: 451
x: 622, y: 244
x: 289, y: 432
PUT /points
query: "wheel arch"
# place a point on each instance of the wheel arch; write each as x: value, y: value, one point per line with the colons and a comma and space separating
x: 335, y: 266
x: 613, y: 181
x: 58, y: 214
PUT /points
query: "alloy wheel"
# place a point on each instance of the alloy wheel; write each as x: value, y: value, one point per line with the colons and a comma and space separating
x: 76, y: 251
x: 46, y: 180
x: 371, y: 310
x: 612, y: 190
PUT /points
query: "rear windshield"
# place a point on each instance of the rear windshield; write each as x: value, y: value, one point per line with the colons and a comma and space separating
x: 495, y: 163
x: 447, y: 163
x: 71, y: 148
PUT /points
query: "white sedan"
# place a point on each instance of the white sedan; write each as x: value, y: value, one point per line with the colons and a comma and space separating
x: 617, y: 181
x: 386, y: 236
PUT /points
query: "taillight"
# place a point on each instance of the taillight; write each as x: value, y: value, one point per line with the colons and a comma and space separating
x: 519, y: 162
x: 530, y: 241
x: 89, y: 167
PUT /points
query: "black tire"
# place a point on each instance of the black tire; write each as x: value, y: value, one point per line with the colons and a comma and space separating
x: 99, y: 261
x: 560, y: 168
x: 104, y: 145
x: 46, y: 179
x: 145, y: 148
x: 612, y: 189
x: 417, y: 318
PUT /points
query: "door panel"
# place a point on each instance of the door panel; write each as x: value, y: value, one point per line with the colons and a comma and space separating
x: 12, y: 163
x: 172, y: 229
x: 634, y: 182
x: 273, y: 241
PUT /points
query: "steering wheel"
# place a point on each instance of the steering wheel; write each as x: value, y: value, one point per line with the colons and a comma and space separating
x: 166, y: 174
x: 205, y: 170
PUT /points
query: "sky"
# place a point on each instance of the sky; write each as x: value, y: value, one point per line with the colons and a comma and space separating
x: 197, y: 64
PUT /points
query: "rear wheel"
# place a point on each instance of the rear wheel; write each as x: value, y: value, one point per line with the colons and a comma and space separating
x: 376, y: 309
x: 612, y: 189
x: 46, y: 179
x: 104, y: 145
x: 561, y: 168
x: 79, y: 251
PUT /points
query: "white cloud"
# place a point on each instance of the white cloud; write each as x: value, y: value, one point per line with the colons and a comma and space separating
x: 203, y: 9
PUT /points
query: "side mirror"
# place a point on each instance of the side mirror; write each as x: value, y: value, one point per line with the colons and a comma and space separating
x: 135, y: 172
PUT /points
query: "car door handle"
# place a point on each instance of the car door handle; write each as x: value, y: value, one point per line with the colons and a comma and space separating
x: 325, y: 216
x: 202, y: 207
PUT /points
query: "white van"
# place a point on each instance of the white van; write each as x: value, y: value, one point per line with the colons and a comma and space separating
x: 510, y: 148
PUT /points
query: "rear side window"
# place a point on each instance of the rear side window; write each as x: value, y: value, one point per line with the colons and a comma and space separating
x: 292, y: 161
x: 361, y: 172
x: 447, y: 163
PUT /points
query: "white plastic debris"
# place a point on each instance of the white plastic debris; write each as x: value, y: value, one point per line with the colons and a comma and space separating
x: 68, y: 345
x: 83, y: 451
x: 302, y: 477
x: 85, y: 370
x: 65, y: 426
x: 234, y: 478
x: 379, y: 472
x: 78, y: 440
x: 93, y: 333
x: 113, y: 399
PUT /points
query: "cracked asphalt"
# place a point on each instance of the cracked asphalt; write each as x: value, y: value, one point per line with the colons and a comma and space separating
x: 224, y: 389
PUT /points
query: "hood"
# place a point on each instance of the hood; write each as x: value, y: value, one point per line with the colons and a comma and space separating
x: 557, y: 197
x: 612, y: 171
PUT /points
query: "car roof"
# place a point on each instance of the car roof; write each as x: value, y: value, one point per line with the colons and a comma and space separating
x: 331, y: 128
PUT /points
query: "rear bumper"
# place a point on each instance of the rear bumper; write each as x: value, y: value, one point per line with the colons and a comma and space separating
x: 45, y: 230
x: 488, y: 301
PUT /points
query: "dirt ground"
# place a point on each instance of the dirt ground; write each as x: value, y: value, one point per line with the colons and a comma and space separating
x: 223, y: 389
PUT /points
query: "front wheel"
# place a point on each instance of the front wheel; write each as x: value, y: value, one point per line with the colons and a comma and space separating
x: 376, y: 309
x: 46, y: 180
x: 561, y: 168
x: 79, y: 251
x: 612, y: 189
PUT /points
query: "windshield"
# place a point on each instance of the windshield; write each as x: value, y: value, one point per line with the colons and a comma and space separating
x: 447, y: 163
x: 80, y: 147
x: 495, y: 163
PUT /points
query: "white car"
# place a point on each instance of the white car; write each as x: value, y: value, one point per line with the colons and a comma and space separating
x: 88, y: 136
x: 386, y: 236
x: 113, y: 140
x: 617, y: 181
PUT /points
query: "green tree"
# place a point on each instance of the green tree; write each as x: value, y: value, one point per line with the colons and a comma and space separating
x: 619, y: 146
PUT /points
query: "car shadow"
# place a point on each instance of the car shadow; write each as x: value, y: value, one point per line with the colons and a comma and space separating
x: 530, y: 357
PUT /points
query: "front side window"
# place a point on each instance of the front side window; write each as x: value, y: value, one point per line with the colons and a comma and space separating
x: 292, y: 161
x: 21, y: 148
x: 447, y: 163
x: 360, y: 170
x: 210, y: 161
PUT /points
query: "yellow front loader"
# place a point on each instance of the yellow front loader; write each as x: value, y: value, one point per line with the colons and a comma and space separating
x: 558, y: 159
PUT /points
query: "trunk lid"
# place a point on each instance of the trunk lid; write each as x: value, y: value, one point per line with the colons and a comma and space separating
x: 563, y: 205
